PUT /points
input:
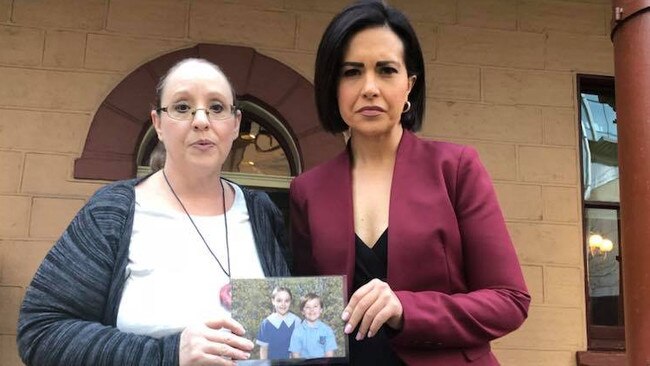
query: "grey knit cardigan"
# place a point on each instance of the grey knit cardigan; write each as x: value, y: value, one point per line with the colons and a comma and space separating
x: 69, y: 312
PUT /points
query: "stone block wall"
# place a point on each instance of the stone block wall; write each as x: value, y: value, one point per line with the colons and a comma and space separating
x: 501, y: 76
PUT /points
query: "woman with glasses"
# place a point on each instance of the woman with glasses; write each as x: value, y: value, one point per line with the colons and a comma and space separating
x: 414, y: 224
x: 141, y: 276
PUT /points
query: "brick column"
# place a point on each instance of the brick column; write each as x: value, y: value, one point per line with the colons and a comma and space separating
x: 631, y: 37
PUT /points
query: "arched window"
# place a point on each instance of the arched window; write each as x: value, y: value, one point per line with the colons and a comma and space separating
x: 278, y: 105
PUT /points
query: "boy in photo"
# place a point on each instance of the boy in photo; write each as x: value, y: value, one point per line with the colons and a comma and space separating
x: 312, y: 338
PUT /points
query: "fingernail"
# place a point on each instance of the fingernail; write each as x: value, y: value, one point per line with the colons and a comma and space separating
x: 370, y: 334
x: 359, y: 336
x: 247, y: 355
x: 348, y: 329
x: 345, y: 316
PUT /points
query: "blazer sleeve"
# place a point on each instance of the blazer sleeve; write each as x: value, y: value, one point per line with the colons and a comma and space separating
x: 496, y: 301
x: 61, y: 318
x: 300, y: 237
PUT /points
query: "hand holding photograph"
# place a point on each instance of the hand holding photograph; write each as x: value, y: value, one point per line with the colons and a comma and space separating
x: 292, y: 320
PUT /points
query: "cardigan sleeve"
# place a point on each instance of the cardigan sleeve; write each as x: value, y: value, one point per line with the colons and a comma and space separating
x: 496, y: 301
x: 61, y: 318
x: 269, y: 233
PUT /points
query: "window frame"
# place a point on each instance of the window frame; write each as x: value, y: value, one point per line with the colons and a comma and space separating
x: 599, y: 337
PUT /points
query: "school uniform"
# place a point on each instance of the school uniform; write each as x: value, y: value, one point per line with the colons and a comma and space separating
x: 275, y: 333
x: 312, y: 340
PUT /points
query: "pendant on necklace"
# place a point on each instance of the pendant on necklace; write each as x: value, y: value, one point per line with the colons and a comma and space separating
x: 225, y: 295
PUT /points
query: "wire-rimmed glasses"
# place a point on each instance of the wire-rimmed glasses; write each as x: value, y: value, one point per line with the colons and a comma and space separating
x: 185, y: 113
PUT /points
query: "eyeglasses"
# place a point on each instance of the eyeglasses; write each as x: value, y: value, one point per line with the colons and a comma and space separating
x: 185, y: 113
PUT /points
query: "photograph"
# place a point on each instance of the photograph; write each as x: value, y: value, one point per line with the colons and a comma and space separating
x: 292, y: 320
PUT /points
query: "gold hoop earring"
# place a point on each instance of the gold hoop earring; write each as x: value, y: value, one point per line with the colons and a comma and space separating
x: 407, y: 107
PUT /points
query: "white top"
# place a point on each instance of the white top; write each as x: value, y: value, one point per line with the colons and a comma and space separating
x: 172, y: 279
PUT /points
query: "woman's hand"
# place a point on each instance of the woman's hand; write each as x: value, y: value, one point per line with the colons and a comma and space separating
x: 217, y: 342
x: 373, y: 304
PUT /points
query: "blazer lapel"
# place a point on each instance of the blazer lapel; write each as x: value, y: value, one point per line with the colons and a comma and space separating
x: 403, y: 187
x: 341, y: 220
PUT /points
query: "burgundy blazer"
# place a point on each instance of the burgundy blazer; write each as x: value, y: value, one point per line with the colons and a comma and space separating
x: 450, y: 259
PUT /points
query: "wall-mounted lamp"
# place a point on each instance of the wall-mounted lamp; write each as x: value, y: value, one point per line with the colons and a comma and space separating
x: 599, y: 245
x: 249, y: 130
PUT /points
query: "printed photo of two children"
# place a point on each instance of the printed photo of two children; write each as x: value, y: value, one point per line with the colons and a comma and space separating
x: 292, y: 320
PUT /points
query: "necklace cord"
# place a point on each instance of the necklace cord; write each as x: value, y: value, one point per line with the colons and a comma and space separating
x: 225, y: 220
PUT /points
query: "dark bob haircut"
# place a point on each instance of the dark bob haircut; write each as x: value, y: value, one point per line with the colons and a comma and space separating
x: 353, y: 19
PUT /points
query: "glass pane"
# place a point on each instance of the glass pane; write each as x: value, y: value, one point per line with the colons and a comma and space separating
x: 257, y: 151
x: 603, y: 266
x: 600, y: 148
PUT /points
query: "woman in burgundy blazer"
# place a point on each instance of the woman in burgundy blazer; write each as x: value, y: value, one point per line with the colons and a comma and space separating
x: 451, y: 280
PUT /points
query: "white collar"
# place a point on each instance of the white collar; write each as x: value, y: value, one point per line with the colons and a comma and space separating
x: 276, y: 319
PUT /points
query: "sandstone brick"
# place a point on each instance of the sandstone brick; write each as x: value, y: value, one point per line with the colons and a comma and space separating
x: 260, y: 4
x: 607, y: 2
x: 64, y: 49
x: 561, y: 204
x: 548, y: 328
x: 517, y: 357
x: 21, y: 46
x: 14, y: 216
x: 483, y: 122
x: 25, y: 130
x: 490, y: 47
x: 51, y: 174
x: 565, y: 286
x: 534, y: 277
x: 11, y: 166
x: 547, y: 243
x: 56, y: 90
x: 528, y: 87
x: 453, y: 82
x: 5, y: 10
x: 10, y: 300
x: 50, y: 216
x: 21, y: 259
x: 310, y: 30
x: 520, y: 202
x: 581, y: 53
x: 566, y: 16
x: 301, y: 62
x: 153, y: 17
x: 427, y: 34
x: 560, y: 126
x: 551, y: 165
x: 500, y: 14
x: 239, y: 24
x: 331, y: 6
x: 437, y: 11
x: 500, y: 160
x: 116, y: 53
x: 78, y: 14
x: 9, y: 351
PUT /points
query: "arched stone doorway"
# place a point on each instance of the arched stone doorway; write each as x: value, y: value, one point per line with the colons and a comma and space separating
x: 122, y: 120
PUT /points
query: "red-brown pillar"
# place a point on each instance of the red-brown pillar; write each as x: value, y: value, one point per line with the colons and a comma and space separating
x: 631, y: 37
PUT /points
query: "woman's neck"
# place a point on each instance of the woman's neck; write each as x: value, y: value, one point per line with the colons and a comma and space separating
x: 200, y: 193
x: 191, y: 183
x: 375, y: 150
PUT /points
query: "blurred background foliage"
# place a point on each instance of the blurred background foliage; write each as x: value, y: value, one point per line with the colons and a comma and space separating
x: 251, y: 303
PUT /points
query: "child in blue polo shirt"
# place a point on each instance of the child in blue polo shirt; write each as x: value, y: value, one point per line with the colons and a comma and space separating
x: 312, y: 338
x: 275, y: 331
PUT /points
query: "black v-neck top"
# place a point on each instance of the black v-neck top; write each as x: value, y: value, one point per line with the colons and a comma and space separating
x: 372, y: 263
